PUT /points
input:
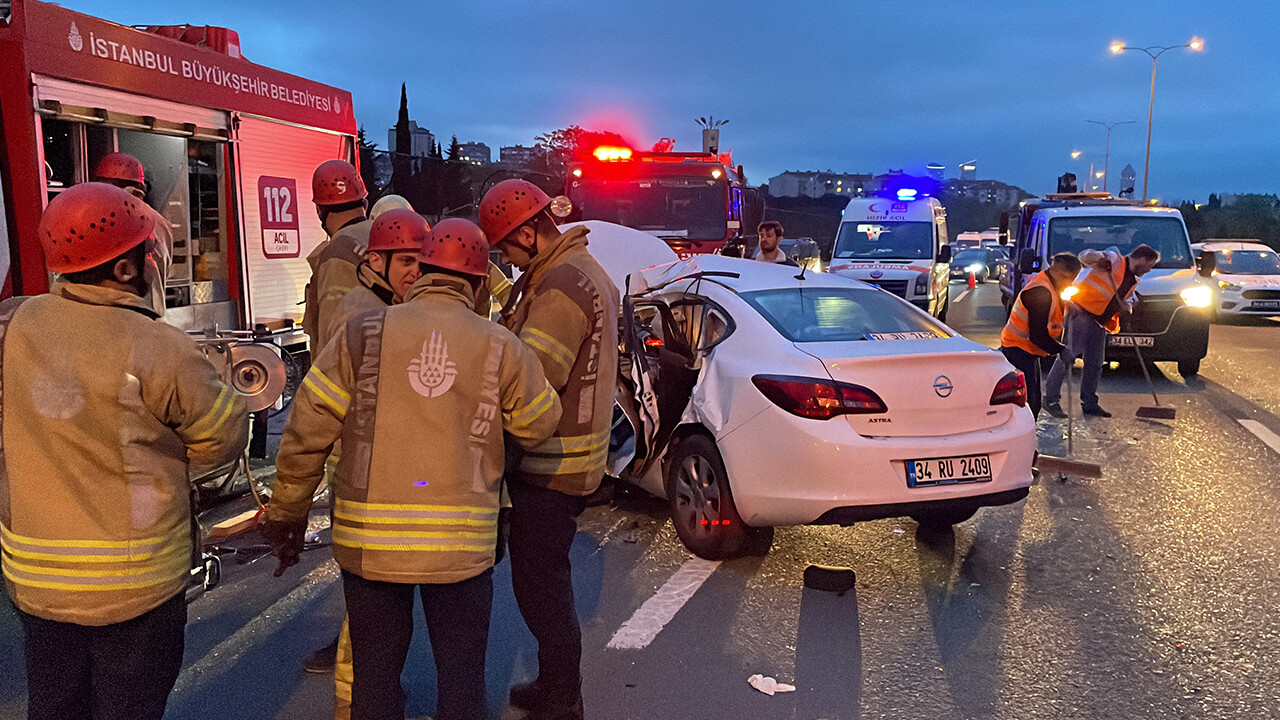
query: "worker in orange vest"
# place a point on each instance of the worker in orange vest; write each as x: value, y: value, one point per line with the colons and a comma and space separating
x: 125, y: 172
x: 1104, y: 291
x: 107, y: 411
x: 1035, y: 326
x: 417, y: 501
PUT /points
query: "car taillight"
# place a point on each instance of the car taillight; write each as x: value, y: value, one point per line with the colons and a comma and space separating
x: 652, y: 343
x: 818, y: 399
x: 1011, y: 390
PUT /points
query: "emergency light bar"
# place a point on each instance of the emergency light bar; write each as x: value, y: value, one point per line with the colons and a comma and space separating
x: 609, y: 153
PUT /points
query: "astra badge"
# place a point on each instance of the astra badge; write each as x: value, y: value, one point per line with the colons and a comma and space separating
x: 431, y: 374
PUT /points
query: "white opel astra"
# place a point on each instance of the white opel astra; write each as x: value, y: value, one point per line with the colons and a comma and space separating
x: 756, y: 395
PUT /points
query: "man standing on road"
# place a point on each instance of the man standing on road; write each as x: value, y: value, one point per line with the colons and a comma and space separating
x: 1102, y: 294
x: 421, y: 394
x: 770, y: 232
x: 1035, y: 324
x: 108, y: 411
x: 565, y: 308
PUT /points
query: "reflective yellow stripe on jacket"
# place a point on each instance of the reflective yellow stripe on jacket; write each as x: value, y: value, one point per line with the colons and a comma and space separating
x: 529, y: 414
x: 94, y: 565
x: 209, y: 425
x: 568, y: 455
x: 335, y: 397
x: 409, y: 527
x: 549, y: 346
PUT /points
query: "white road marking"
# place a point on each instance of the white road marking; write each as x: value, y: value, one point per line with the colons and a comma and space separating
x: 1263, y: 432
x: 963, y: 295
x: 226, y: 654
x: 658, y: 610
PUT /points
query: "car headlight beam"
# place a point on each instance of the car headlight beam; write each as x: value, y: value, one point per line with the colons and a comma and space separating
x: 1200, y: 296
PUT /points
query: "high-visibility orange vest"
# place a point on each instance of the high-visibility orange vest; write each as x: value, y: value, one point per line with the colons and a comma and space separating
x: 1017, y: 332
x: 1097, y: 287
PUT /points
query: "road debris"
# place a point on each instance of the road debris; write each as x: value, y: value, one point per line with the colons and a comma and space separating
x: 768, y: 685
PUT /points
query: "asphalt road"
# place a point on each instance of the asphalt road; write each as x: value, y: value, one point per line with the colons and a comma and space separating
x: 1150, y: 593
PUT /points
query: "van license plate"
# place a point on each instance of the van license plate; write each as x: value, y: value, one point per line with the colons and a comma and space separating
x: 1265, y: 305
x: 948, y: 471
x: 1132, y: 341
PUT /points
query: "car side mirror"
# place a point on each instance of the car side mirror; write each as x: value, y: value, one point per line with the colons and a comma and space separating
x: 1208, y: 263
x: 1027, y: 261
x: 1004, y: 228
x: 944, y: 254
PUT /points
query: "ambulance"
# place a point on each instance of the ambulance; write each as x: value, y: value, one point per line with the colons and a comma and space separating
x: 228, y: 147
x: 899, y: 244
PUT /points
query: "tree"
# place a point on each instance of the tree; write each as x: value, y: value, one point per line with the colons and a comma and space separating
x: 368, y: 164
x: 558, y: 147
x: 400, y: 159
x: 455, y: 150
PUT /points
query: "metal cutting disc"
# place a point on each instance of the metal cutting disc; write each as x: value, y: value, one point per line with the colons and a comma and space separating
x: 257, y: 373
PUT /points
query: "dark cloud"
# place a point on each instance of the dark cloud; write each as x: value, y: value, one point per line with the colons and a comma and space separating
x: 854, y: 86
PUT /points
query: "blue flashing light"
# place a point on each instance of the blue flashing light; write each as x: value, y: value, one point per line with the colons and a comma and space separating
x: 906, y: 194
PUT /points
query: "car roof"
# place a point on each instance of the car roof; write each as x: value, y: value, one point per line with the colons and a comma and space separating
x: 751, y: 274
x: 1231, y: 245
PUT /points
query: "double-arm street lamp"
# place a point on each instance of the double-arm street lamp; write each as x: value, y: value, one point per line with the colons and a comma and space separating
x: 1106, y: 162
x: 1154, y: 52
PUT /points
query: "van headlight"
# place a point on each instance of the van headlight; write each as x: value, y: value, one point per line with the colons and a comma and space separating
x: 1228, y: 286
x: 1200, y: 296
x: 973, y: 269
x: 923, y: 286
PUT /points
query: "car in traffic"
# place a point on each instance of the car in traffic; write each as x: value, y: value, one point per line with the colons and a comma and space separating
x: 753, y: 397
x: 982, y: 263
x: 1247, y: 273
x: 803, y: 252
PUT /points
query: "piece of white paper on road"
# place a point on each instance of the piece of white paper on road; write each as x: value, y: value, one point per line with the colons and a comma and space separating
x: 768, y: 685
x: 658, y: 610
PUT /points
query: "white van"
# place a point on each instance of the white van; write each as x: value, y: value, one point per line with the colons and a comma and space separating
x: 899, y: 245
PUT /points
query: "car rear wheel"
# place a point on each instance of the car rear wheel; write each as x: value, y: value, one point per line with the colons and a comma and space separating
x: 702, y: 507
x: 943, y: 517
x: 1189, y: 368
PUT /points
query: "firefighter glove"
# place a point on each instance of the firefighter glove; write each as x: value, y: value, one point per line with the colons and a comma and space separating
x: 285, y: 538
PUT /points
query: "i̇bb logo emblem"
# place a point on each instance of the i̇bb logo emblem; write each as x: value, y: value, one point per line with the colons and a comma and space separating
x: 74, y: 38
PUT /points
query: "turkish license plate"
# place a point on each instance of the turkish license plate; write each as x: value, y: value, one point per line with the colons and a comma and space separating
x: 1265, y: 305
x: 948, y: 471
x: 1132, y: 341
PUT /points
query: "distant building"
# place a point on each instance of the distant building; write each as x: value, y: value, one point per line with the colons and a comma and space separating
x: 987, y: 191
x: 818, y: 184
x: 476, y: 153
x: 517, y: 155
x: 1128, y: 180
x: 969, y: 171
x: 935, y: 170
x: 421, y: 141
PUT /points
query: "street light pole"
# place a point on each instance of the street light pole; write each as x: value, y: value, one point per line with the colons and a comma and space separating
x: 1117, y: 48
x: 1106, y: 163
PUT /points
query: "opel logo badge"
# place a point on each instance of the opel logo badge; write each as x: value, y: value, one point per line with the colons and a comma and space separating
x: 942, y: 385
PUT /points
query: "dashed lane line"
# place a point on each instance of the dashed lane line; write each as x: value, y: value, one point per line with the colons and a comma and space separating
x: 1263, y: 433
x: 657, y: 611
x: 963, y: 295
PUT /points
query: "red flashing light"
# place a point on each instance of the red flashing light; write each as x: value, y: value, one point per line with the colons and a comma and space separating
x: 611, y: 153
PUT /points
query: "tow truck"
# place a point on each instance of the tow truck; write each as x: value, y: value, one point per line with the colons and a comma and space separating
x: 1170, y: 321
x: 691, y: 200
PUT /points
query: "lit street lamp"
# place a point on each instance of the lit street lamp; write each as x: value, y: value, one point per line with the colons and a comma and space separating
x: 1154, y: 51
x: 1106, y: 163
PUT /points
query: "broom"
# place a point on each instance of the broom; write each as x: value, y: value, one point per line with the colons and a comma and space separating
x: 1156, y: 412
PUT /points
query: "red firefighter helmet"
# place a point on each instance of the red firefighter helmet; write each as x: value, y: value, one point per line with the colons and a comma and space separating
x: 337, y: 182
x: 398, y: 229
x: 120, y: 166
x: 508, y: 205
x: 91, y: 223
x: 459, y: 245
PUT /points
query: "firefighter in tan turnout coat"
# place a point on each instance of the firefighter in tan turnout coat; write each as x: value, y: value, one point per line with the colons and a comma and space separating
x: 105, y: 412
x: 565, y: 308
x: 421, y: 394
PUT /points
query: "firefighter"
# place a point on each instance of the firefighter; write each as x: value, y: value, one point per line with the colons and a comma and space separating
x: 565, y: 308
x: 108, y: 410
x: 341, y: 202
x: 125, y: 171
x: 417, y: 500
x: 386, y: 203
x: 390, y: 266
x: 1102, y: 294
x: 1035, y: 326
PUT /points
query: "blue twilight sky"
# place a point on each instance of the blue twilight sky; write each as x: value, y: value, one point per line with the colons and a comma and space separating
x: 847, y: 86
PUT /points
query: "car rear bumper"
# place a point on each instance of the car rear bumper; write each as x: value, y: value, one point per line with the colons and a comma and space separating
x: 786, y: 470
x: 863, y: 513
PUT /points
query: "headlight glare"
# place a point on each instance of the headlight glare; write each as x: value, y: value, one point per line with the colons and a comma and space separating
x: 1200, y: 296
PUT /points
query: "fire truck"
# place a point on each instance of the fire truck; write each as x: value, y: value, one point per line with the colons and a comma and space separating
x: 692, y: 200
x: 228, y: 147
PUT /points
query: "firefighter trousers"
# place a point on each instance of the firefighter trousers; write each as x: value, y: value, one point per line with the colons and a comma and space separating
x: 123, y: 671
x: 380, y: 622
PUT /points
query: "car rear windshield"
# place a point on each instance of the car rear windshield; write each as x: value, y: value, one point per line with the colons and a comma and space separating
x: 1248, y: 262
x: 966, y: 257
x: 827, y: 314
x: 1122, y: 233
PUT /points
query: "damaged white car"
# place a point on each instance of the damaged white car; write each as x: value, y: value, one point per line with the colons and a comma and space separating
x: 754, y: 395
